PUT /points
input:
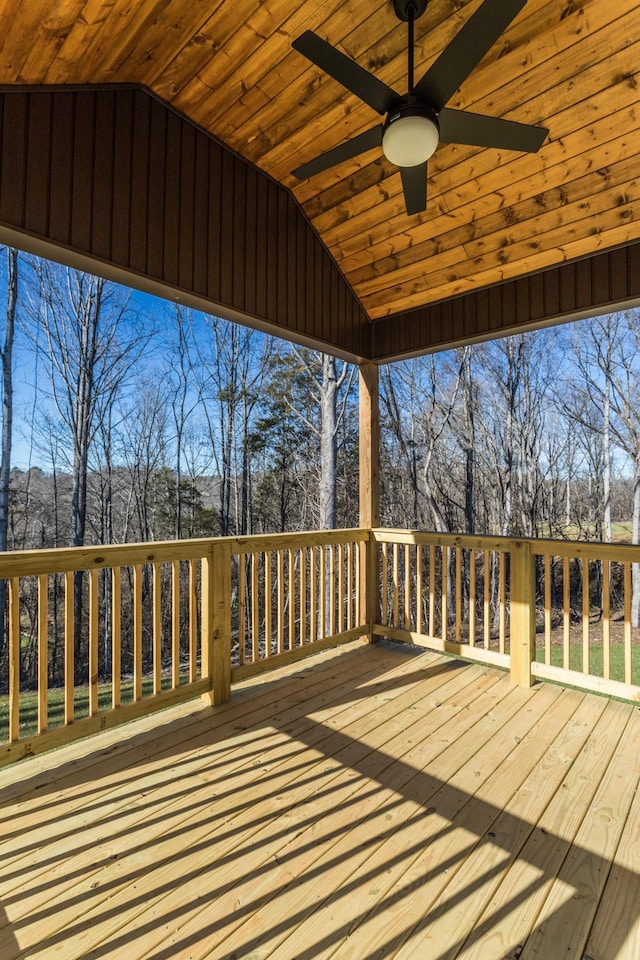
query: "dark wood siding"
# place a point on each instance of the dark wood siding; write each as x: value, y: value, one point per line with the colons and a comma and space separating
x: 591, y: 285
x: 114, y: 175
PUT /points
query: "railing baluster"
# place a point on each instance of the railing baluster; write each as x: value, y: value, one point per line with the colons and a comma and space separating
x: 93, y: 643
x: 458, y: 594
x: 486, y: 628
x: 241, y: 608
x: 349, y: 586
x: 280, y: 601
x: 43, y: 651
x: 255, y: 615
x: 606, y: 619
x: 322, y: 587
x: 385, y: 582
x: 547, y: 608
x: 566, y: 611
x: 291, y: 591
x: 116, y: 636
x: 303, y: 596
x: 407, y: 586
x: 340, y: 588
x: 14, y: 659
x: 419, y: 588
x: 502, y: 589
x: 432, y: 590
x: 445, y: 593
x: 585, y: 615
x: 175, y: 624
x: 332, y: 590
x: 137, y: 632
x: 472, y: 598
x: 627, y: 622
x: 267, y: 603
x: 193, y: 620
x: 360, y: 566
x: 69, y: 665
x: 396, y: 586
x: 156, y: 627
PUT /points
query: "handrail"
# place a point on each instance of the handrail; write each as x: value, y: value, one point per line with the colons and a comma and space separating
x: 61, y: 559
x: 157, y: 623
x: 150, y: 624
x: 552, y: 609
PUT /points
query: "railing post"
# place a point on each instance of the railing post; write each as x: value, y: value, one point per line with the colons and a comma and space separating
x: 523, y: 612
x: 216, y: 622
x: 369, y: 586
x: 369, y: 457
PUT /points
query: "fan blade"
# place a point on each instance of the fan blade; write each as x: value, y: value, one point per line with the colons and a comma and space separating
x: 414, y: 186
x: 344, y: 151
x: 465, y: 51
x: 460, y: 126
x: 347, y: 72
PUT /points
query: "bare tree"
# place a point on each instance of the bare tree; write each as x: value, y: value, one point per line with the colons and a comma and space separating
x: 419, y: 398
x: 93, y: 346
x: 328, y: 383
x: 6, y: 356
x: 606, y: 351
x: 231, y: 367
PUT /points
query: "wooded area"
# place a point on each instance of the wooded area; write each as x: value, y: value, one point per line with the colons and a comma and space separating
x: 142, y: 421
x: 145, y: 421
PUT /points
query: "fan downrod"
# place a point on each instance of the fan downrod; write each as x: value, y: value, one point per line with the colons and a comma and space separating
x: 409, y: 9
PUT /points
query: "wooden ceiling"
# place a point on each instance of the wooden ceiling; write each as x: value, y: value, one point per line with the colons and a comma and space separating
x: 492, y: 215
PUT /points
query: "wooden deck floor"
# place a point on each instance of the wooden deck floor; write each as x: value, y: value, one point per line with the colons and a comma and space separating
x: 375, y: 803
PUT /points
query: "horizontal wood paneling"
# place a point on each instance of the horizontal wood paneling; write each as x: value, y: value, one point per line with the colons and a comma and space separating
x: 116, y: 176
x: 578, y: 289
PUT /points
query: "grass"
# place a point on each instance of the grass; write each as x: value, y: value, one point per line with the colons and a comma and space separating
x: 620, y: 532
x: 616, y: 660
x: 55, y: 704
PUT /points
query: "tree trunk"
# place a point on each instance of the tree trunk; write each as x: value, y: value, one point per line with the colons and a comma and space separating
x: 606, y: 480
x: 7, y: 414
x: 328, y: 443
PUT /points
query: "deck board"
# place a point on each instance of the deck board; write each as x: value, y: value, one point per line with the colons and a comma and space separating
x: 375, y: 802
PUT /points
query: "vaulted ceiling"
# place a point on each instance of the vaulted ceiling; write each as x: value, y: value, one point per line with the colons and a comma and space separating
x: 492, y: 215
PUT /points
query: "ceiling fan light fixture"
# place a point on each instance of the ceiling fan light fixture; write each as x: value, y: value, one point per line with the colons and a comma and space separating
x: 410, y: 137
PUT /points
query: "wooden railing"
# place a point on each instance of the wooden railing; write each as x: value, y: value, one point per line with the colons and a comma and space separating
x: 551, y: 609
x: 585, y: 632
x: 447, y: 592
x: 292, y: 593
x: 97, y: 636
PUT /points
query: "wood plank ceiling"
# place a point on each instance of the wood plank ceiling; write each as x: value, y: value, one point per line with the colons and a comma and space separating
x: 492, y: 215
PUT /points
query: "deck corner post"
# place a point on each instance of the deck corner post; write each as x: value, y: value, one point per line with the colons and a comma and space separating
x: 216, y: 622
x: 369, y: 459
x: 523, y: 613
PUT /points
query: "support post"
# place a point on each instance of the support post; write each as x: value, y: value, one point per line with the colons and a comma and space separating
x: 216, y: 622
x: 369, y: 459
x: 523, y: 613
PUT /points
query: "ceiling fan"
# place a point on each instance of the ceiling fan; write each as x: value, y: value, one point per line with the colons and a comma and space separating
x: 417, y: 121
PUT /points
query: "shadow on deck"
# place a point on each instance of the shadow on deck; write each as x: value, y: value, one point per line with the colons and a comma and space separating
x: 373, y: 803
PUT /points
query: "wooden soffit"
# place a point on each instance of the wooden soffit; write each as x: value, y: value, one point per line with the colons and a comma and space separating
x: 495, y: 220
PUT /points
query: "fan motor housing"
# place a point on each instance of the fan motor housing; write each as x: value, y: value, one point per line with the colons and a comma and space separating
x: 406, y: 9
x: 410, y: 108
